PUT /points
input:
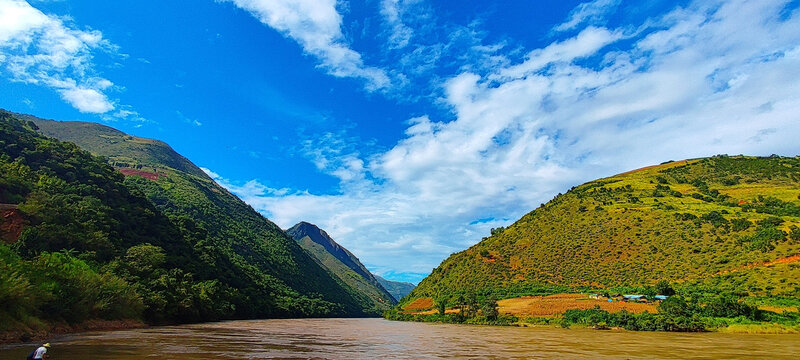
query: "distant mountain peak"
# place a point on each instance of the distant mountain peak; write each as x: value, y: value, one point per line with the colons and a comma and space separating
x: 320, y: 237
x: 398, y: 289
x: 303, y: 230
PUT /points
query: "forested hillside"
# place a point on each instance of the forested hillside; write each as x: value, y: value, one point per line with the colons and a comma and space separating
x: 82, y: 241
x: 721, y: 223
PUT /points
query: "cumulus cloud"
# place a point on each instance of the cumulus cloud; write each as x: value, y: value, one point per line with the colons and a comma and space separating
x: 316, y: 26
x: 708, y: 78
x: 40, y: 49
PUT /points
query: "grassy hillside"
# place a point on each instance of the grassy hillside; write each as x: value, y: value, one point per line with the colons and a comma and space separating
x: 122, y: 150
x: 722, y: 222
x: 343, y: 264
x: 82, y: 241
x: 398, y: 289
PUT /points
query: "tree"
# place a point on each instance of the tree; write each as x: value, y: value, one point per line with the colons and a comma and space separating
x: 471, y: 304
x: 489, y: 308
x: 674, y: 306
x: 664, y: 288
x: 441, y: 305
x: 794, y: 233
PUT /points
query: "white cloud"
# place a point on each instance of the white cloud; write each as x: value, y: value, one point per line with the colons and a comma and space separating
x: 86, y: 100
x: 188, y: 120
x: 392, y: 11
x: 210, y: 173
x: 316, y: 26
x: 40, y: 49
x: 592, y: 11
x: 587, y: 43
x: 700, y: 80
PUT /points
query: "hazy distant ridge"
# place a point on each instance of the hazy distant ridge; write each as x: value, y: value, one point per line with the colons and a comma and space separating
x: 398, y: 289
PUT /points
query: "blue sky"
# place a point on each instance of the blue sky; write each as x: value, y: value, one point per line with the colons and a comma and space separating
x: 408, y: 128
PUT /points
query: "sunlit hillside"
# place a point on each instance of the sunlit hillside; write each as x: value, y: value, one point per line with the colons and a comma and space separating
x: 723, y: 222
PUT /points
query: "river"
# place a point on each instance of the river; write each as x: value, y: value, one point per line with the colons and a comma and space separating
x: 382, y: 339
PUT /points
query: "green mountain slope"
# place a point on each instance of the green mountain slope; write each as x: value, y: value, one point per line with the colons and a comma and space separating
x: 122, y: 150
x: 705, y: 221
x: 398, y: 289
x: 187, y: 249
x: 342, y: 263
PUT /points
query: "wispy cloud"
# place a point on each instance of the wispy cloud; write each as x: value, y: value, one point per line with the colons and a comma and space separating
x: 592, y: 12
x: 708, y: 78
x: 400, y: 33
x: 317, y: 26
x: 188, y: 120
x: 40, y: 49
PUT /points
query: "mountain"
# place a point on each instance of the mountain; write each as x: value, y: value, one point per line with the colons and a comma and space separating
x: 164, y: 242
x: 398, y: 289
x: 123, y: 151
x: 341, y: 263
x: 723, y: 223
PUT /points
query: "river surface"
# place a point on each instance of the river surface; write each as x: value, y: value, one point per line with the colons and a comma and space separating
x: 383, y: 339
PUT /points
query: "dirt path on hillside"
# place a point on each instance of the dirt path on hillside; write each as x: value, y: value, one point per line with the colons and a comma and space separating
x: 786, y: 260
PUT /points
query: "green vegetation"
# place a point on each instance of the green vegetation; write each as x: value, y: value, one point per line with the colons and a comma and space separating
x: 718, y: 225
x: 95, y: 244
x: 695, y: 312
x: 58, y: 287
x: 121, y: 149
x: 344, y: 265
x: 471, y: 309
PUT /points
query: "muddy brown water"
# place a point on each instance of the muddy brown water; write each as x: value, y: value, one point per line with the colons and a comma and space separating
x: 382, y: 339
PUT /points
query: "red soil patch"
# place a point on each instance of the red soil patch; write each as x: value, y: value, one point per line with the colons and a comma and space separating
x: 145, y: 174
x: 11, y: 223
x: 786, y: 260
x: 419, y: 304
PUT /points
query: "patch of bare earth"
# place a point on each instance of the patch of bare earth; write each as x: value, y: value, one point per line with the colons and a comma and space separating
x: 145, y: 174
x: 11, y: 223
x: 419, y: 305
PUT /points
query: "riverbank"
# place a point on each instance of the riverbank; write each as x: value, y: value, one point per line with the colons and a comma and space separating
x: 706, y: 313
x: 34, y: 335
x: 644, y: 323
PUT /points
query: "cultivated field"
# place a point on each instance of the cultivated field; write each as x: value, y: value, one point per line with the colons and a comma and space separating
x: 544, y: 306
x: 419, y: 304
x: 540, y: 306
